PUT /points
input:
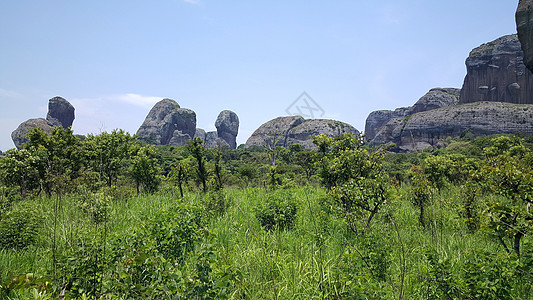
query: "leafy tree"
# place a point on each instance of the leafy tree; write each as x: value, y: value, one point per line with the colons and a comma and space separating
x: 197, y: 150
x: 218, y: 169
x: 247, y: 172
x: 60, y: 158
x: 506, y: 176
x: 355, y: 176
x: 17, y: 168
x: 307, y: 161
x: 453, y: 168
x: 145, y: 169
x: 420, y: 192
x: 180, y: 173
x: 109, y: 153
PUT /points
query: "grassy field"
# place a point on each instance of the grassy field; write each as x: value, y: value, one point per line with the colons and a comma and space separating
x: 232, y: 256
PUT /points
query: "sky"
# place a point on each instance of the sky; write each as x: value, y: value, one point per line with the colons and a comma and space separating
x: 113, y: 60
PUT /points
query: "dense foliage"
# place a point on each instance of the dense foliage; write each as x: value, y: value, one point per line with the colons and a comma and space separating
x: 107, y: 217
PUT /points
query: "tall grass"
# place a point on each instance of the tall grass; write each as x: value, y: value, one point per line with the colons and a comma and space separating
x: 309, y: 261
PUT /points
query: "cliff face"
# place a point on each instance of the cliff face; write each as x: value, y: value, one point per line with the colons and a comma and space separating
x: 435, y: 98
x: 524, y: 26
x: 496, y: 98
x: 496, y: 72
x: 428, y: 128
x: 285, y: 131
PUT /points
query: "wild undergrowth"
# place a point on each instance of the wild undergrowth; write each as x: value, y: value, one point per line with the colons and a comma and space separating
x: 163, y: 247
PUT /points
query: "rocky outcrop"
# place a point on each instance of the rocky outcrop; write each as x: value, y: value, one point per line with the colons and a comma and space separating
x: 496, y: 72
x: 303, y: 133
x: 435, y: 98
x: 496, y: 98
x: 168, y: 124
x: 379, y: 118
x: 60, y: 112
x: 524, y: 27
x: 285, y: 131
x: 274, y: 131
x: 227, y: 125
x: 19, y: 135
x: 427, y: 129
x: 200, y: 133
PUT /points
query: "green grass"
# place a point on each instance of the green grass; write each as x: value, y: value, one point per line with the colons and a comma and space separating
x: 307, y: 262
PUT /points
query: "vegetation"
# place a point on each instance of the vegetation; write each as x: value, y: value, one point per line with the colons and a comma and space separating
x: 108, y: 217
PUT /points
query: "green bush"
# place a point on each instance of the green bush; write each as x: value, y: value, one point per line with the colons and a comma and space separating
x: 8, y: 196
x: 175, y: 231
x: 278, y: 211
x: 19, y: 229
x: 96, y: 205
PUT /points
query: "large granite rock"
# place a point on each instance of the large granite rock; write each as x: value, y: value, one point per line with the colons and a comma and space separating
x: 427, y: 129
x: 60, y: 112
x: 496, y: 79
x: 274, y: 131
x: 496, y: 72
x: 168, y: 124
x: 436, y: 98
x: 433, y: 99
x: 227, y: 125
x: 200, y: 133
x: 304, y: 132
x: 524, y: 27
x: 285, y: 131
x: 379, y: 118
x: 19, y: 135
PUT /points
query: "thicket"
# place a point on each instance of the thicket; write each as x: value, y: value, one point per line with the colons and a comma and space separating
x: 107, y: 217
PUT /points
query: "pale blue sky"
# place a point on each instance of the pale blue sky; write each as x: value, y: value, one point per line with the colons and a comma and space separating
x: 114, y: 59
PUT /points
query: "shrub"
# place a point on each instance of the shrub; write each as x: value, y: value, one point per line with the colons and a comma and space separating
x: 96, y: 205
x: 19, y: 229
x: 175, y: 231
x: 278, y: 211
x: 8, y: 196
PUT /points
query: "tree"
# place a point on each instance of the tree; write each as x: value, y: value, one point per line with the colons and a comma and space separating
x: 508, y: 177
x: 145, y: 169
x: 420, y: 192
x: 180, y: 173
x: 17, y: 168
x: 306, y: 160
x: 355, y: 177
x: 197, y: 150
x: 60, y: 157
x: 271, y: 145
x: 453, y: 168
x: 109, y: 153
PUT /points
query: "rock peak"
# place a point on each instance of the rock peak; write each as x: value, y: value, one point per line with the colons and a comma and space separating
x: 60, y: 112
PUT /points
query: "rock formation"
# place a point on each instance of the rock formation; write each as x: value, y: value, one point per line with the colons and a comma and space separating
x: 496, y: 72
x: 496, y: 98
x: 427, y: 129
x: 285, y: 131
x: 524, y: 26
x: 19, y: 135
x: 227, y: 125
x: 168, y: 124
x: 60, y: 113
x: 274, y: 131
x: 435, y: 98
